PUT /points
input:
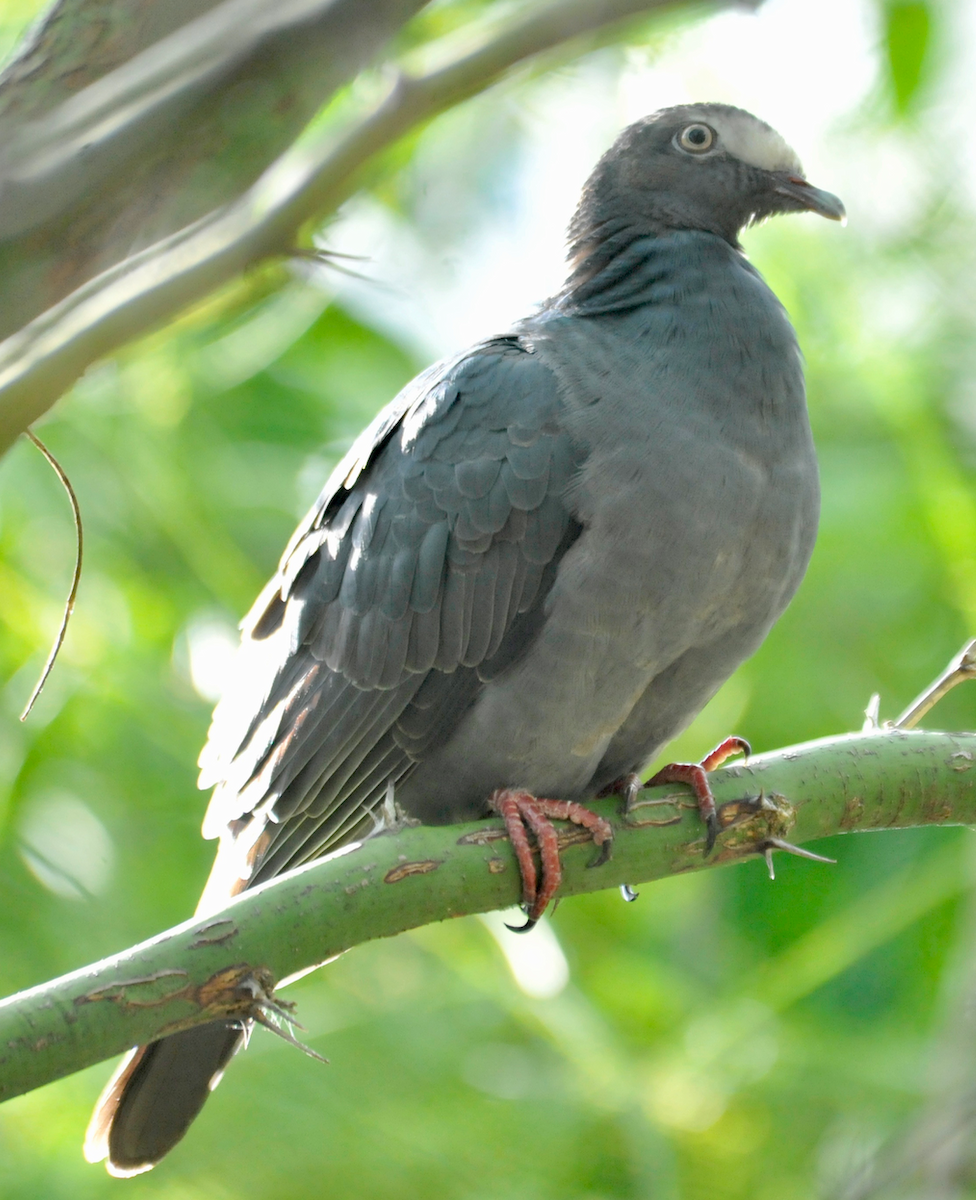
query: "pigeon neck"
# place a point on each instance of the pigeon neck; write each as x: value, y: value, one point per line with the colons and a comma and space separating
x: 632, y: 268
x: 593, y: 248
x: 602, y: 225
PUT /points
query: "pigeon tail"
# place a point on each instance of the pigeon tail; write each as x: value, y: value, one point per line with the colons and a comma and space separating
x: 157, y: 1091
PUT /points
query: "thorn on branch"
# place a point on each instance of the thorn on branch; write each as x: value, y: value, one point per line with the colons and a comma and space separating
x: 277, y: 1016
x: 772, y: 844
x: 757, y: 826
x: 390, y: 817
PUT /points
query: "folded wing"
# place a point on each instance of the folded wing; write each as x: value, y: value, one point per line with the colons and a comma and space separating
x: 419, y: 573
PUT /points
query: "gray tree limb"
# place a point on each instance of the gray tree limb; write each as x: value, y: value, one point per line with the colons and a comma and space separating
x: 110, y: 163
x: 128, y: 296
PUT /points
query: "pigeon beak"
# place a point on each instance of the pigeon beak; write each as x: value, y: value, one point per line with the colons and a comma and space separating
x: 812, y: 199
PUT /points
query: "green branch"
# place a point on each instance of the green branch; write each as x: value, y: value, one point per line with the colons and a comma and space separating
x: 228, y: 964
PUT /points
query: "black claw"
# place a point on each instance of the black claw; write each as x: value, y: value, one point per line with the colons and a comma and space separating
x: 602, y: 857
x: 713, y: 830
x: 529, y: 924
x: 628, y: 893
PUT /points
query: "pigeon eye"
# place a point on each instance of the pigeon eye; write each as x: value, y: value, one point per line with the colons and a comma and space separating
x: 695, y: 138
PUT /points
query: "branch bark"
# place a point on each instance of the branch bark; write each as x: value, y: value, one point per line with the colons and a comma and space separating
x: 167, y: 112
x: 133, y: 295
x: 228, y: 964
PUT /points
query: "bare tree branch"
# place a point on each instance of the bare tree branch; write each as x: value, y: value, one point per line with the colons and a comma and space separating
x: 175, y: 129
x: 38, y: 363
x: 46, y: 163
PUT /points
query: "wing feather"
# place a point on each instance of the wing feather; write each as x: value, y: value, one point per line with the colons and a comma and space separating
x: 423, y: 559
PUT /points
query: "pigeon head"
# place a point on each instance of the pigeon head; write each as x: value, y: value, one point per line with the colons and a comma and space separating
x: 696, y: 166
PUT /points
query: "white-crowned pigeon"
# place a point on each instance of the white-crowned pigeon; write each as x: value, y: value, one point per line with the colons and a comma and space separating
x: 536, y: 565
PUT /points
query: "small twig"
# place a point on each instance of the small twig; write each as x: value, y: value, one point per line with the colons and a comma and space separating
x: 326, y: 258
x: 962, y: 667
x: 69, y: 605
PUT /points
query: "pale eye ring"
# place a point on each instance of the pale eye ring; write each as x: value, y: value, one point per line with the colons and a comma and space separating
x: 695, y: 139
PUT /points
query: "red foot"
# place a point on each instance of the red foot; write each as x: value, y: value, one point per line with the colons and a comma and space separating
x: 518, y: 809
x: 694, y: 775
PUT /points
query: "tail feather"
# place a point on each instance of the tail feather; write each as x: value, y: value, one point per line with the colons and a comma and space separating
x: 152, y: 1098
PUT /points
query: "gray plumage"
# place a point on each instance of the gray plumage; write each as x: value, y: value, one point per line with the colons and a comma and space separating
x: 537, y: 564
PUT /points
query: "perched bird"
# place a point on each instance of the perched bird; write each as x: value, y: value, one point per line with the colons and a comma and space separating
x: 533, y: 569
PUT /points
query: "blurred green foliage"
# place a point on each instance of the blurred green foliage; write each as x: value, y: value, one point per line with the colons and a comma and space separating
x: 723, y: 1037
x: 908, y: 34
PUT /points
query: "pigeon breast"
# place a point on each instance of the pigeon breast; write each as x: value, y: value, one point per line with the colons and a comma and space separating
x: 681, y: 389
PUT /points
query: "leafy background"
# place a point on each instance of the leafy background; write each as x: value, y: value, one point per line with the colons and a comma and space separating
x: 723, y: 1037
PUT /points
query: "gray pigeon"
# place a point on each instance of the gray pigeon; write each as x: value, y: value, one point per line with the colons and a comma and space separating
x: 536, y: 565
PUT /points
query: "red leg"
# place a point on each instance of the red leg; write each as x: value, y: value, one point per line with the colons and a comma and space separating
x: 694, y: 774
x: 518, y: 809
